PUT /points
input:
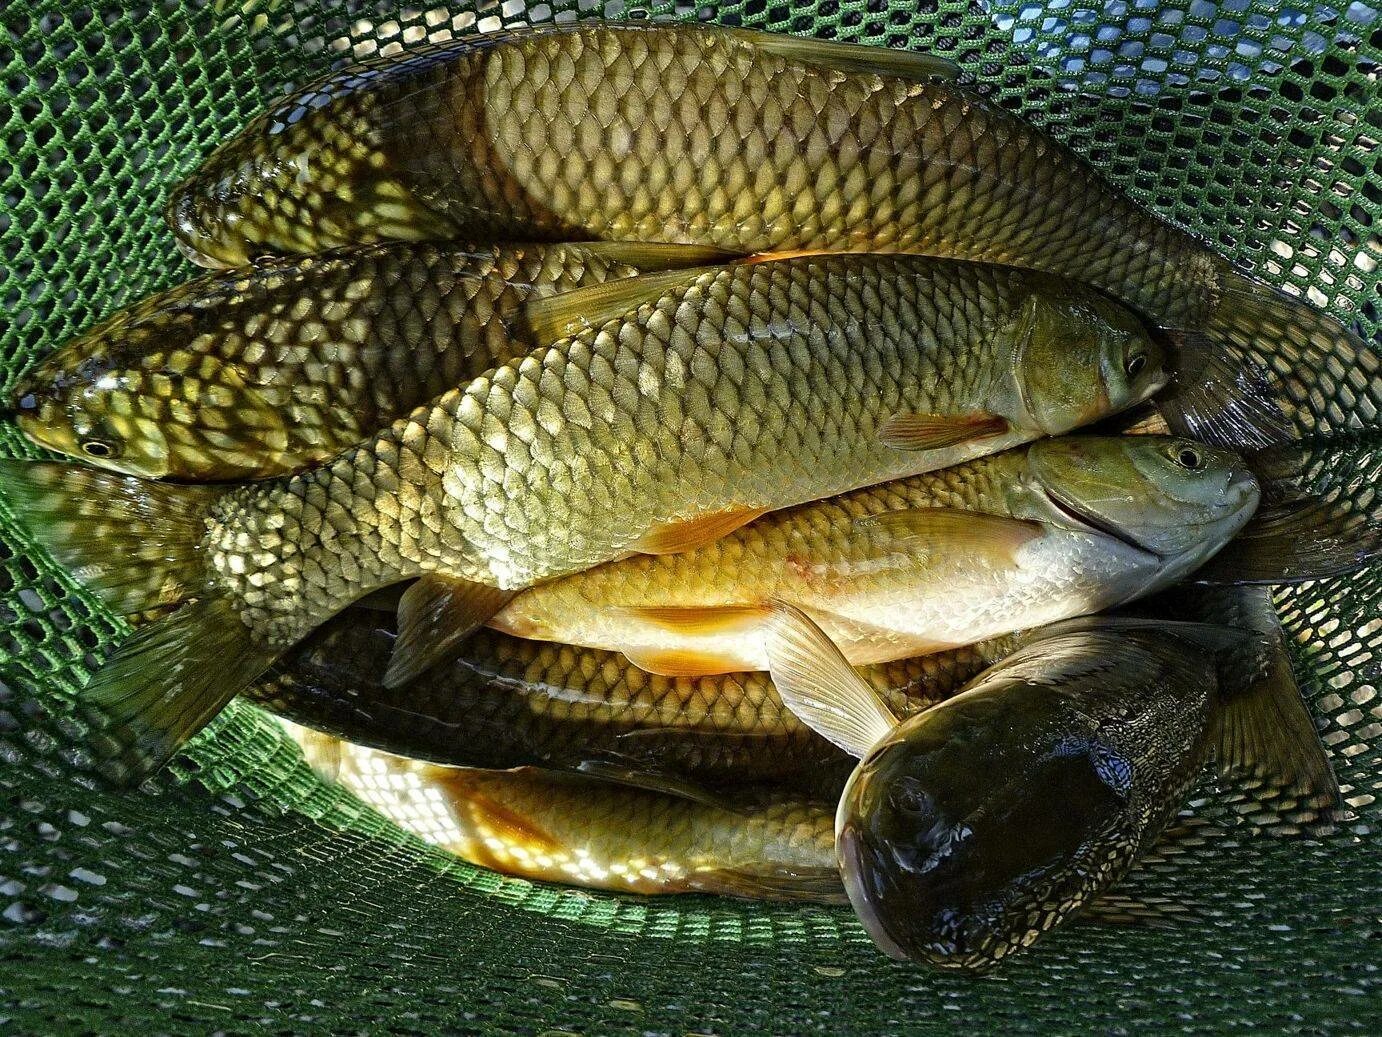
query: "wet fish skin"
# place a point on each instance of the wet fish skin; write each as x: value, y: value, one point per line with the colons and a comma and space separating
x: 1058, y: 528
x: 763, y: 844
x: 506, y: 702
x: 714, y: 136
x: 260, y: 371
x: 739, y: 389
x: 673, y: 133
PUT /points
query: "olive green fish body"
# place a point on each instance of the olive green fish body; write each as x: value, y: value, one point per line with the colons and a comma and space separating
x: 754, y: 142
x: 755, y: 387
x: 263, y: 370
x: 565, y: 828
x: 726, y: 393
x: 916, y: 565
x: 506, y: 702
x: 662, y: 133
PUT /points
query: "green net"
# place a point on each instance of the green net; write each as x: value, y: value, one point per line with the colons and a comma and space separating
x: 238, y: 892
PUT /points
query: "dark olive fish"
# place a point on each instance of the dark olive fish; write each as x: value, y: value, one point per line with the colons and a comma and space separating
x: 507, y: 702
x: 971, y: 829
x: 267, y: 369
x: 754, y: 142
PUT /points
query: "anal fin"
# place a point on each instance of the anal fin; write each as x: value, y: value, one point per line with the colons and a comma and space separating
x: 435, y: 615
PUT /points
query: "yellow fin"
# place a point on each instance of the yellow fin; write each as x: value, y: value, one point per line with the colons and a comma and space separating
x: 656, y: 256
x: 817, y: 683
x: 851, y: 57
x: 508, y: 825
x: 802, y: 884
x: 555, y: 317
x: 674, y: 662
x: 934, y: 431
x: 687, y: 534
x: 699, y: 621
x: 435, y: 615
x: 951, y: 531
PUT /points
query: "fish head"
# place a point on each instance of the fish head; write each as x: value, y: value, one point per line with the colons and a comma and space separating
x: 979, y: 824
x: 1079, y: 357
x: 1172, y: 497
x: 85, y: 401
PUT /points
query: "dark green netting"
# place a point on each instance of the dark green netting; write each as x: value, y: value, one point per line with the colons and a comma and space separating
x: 242, y: 894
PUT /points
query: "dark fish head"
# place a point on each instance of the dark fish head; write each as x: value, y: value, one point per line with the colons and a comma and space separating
x: 1173, y: 497
x: 979, y: 825
x: 1080, y: 357
x: 84, y: 401
x: 144, y: 392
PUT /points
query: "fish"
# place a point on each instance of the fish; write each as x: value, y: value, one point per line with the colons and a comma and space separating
x: 1055, y: 529
x: 505, y: 702
x: 757, y: 142
x: 712, y: 397
x: 970, y: 830
x: 763, y: 844
x: 263, y: 370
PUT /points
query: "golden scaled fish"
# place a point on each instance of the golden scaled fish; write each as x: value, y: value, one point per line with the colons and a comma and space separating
x: 971, y: 829
x: 1056, y: 529
x: 724, y: 394
x: 754, y: 142
x: 506, y: 702
x: 266, y: 369
x: 573, y: 829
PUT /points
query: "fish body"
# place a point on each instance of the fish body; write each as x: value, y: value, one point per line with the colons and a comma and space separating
x: 579, y: 831
x: 754, y: 142
x: 506, y: 702
x: 969, y: 830
x: 266, y: 369
x: 1002, y: 543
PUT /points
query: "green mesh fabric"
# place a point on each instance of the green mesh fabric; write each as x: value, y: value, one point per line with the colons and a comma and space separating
x: 237, y: 892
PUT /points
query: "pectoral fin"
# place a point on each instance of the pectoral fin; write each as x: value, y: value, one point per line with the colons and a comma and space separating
x: 657, y: 256
x: 687, y: 534
x: 680, y: 662
x: 817, y: 683
x: 937, y: 431
x: 950, y: 531
x: 435, y: 615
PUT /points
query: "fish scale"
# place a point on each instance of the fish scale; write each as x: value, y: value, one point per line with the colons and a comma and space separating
x: 673, y: 134
x: 289, y: 362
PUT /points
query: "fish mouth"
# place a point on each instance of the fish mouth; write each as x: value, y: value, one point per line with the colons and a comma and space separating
x: 1069, y: 510
x: 850, y: 853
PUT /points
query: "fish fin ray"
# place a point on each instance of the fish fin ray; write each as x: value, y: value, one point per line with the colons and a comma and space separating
x: 659, y: 256
x: 688, y: 534
x: 854, y: 58
x: 166, y: 683
x: 819, y: 885
x: 995, y: 537
x: 135, y: 544
x: 552, y: 318
x: 937, y: 431
x: 680, y: 662
x: 436, y: 614
x: 817, y: 683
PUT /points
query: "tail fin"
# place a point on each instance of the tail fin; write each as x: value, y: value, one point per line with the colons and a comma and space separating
x: 1268, y: 368
x: 1320, y: 516
x: 138, y: 546
x: 135, y: 544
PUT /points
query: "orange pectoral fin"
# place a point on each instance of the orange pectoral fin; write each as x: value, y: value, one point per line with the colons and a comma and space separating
x: 935, y: 431
x: 672, y: 662
x: 687, y: 534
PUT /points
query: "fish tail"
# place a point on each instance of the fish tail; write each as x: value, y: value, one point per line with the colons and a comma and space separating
x: 138, y: 546
x: 135, y: 544
x: 1267, y: 368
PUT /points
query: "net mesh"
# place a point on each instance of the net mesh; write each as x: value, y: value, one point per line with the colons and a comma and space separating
x: 238, y: 891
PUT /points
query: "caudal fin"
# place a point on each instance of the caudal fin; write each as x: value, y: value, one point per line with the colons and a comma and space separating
x: 138, y: 546
x: 133, y: 543
x: 1268, y: 368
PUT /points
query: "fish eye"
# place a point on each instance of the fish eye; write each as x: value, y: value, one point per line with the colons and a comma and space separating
x: 910, y: 798
x: 1135, y: 364
x: 97, y: 448
x: 1189, y: 458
